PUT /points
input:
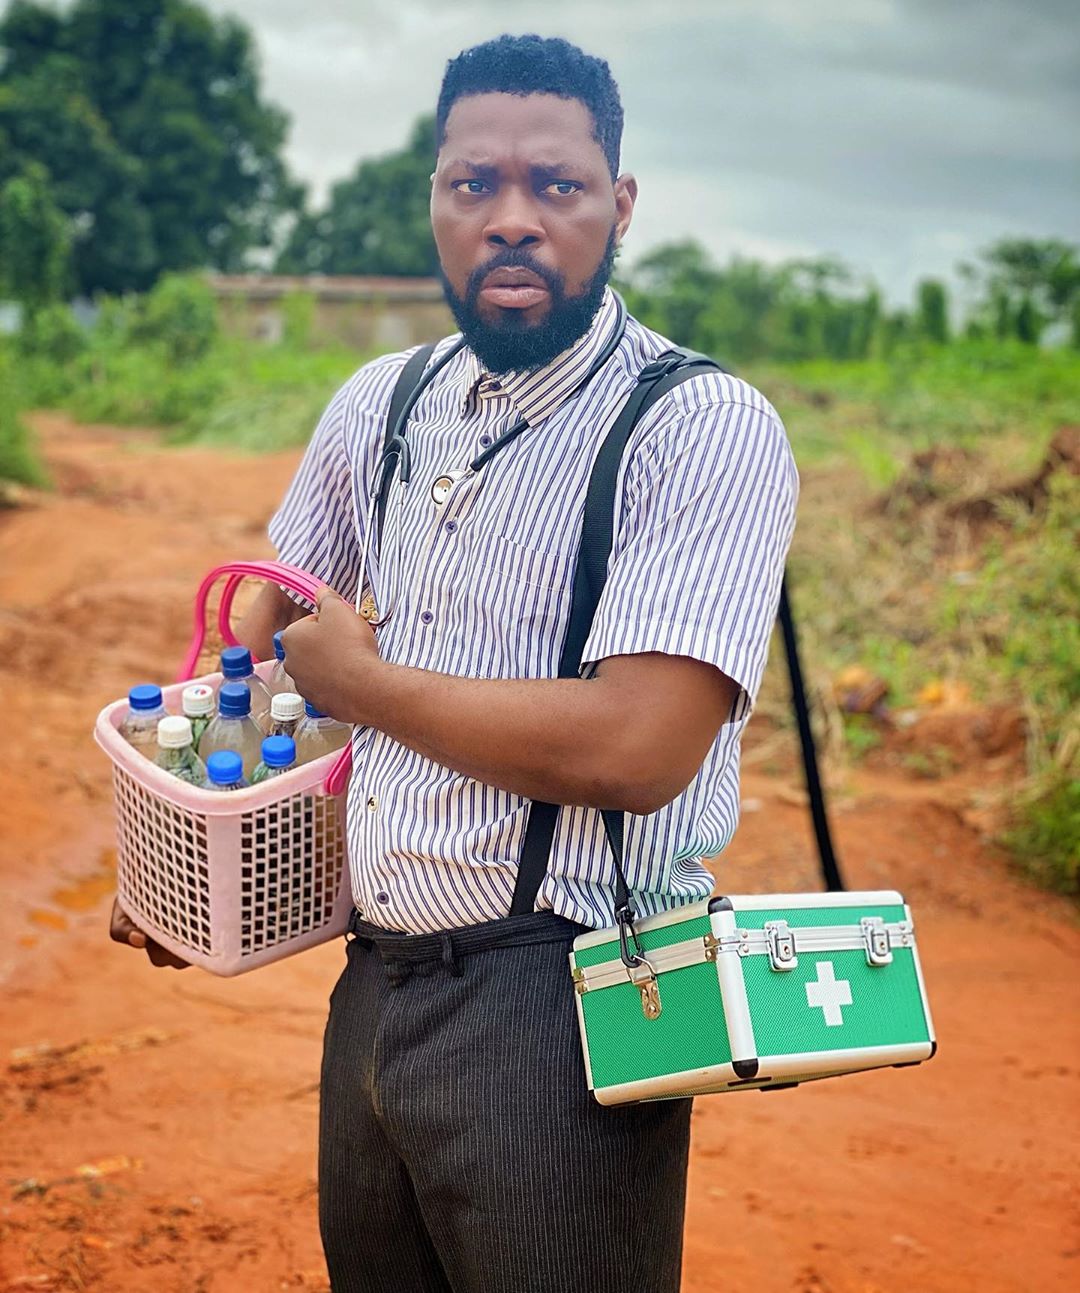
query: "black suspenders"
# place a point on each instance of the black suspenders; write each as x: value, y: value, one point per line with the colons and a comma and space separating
x: 654, y: 381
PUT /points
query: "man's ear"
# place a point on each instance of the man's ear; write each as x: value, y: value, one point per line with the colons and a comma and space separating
x: 626, y: 191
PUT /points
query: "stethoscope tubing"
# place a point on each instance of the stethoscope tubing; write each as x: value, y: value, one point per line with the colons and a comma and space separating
x: 396, y: 452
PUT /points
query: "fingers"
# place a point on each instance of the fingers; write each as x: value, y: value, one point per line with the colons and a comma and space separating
x: 327, y: 597
x: 163, y: 958
x: 123, y: 930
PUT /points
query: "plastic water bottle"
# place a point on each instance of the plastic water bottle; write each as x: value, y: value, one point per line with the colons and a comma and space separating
x: 233, y: 728
x: 225, y: 771
x: 176, y: 753
x: 278, y: 756
x: 279, y: 681
x: 286, y: 711
x: 145, y: 710
x: 237, y: 667
x: 198, y: 703
x: 318, y: 734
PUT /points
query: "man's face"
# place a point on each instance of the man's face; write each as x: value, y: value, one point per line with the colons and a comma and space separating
x: 526, y: 219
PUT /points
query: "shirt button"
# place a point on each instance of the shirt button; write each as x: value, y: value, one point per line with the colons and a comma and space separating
x: 372, y: 804
x: 382, y: 896
x: 485, y: 440
x: 451, y: 526
x: 426, y: 617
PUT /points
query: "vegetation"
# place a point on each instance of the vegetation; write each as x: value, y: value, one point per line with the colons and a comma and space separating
x: 376, y: 222
x: 144, y: 126
x: 135, y: 145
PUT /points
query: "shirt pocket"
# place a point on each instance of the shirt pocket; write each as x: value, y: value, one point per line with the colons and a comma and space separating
x: 525, y: 565
x: 519, y: 605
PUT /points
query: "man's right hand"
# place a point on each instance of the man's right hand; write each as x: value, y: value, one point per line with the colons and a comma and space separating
x: 122, y: 930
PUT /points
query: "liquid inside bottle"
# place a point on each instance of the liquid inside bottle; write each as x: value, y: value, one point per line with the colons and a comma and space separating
x: 145, y: 711
x: 279, y: 681
x: 233, y: 728
x: 286, y: 711
x: 225, y: 771
x: 199, y: 703
x: 176, y: 753
x: 278, y: 756
x: 237, y: 666
x: 318, y: 734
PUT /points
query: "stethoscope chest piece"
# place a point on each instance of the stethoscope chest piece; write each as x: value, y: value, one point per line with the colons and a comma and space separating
x: 442, y: 485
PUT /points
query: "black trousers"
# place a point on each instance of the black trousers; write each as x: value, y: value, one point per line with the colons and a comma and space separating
x: 460, y: 1150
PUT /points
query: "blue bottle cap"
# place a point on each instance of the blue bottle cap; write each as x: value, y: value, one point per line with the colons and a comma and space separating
x: 279, y: 650
x: 145, y: 696
x: 311, y: 711
x: 236, y: 662
x: 234, y: 700
x: 225, y: 767
x: 278, y: 751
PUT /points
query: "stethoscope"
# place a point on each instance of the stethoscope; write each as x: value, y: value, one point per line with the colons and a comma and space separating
x: 396, y: 461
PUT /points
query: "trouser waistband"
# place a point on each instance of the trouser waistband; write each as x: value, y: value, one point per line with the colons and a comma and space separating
x: 399, y: 952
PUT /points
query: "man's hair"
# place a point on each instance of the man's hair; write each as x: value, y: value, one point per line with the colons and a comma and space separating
x: 537, y: 65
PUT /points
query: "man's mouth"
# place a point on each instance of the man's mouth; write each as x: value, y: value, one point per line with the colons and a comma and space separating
x: 514, y: 288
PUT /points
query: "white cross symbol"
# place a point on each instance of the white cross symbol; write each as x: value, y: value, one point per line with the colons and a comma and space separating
x: 829, y: 993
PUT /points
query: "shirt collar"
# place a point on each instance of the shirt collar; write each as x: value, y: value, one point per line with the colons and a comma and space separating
x: 537, y: 395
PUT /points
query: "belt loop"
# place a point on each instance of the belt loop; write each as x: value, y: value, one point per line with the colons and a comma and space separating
x: 449, y: 959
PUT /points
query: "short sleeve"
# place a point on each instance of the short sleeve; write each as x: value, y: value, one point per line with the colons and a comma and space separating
x: 699, y: 550
x: 315, y: 527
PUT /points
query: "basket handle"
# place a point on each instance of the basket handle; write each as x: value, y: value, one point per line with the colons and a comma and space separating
x: 291, y: 577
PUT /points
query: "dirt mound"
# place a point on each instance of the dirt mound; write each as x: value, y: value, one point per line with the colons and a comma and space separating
x: 945, y: 484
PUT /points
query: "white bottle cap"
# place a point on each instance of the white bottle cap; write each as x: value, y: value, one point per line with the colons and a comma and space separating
x: 198, y: 700
x: 285, y: 706
x: 174, y: 732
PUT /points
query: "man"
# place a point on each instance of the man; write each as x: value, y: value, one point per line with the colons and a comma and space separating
x: 459, y: 1147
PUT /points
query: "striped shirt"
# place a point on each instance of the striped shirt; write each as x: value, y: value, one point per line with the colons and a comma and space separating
x: 479, y: 586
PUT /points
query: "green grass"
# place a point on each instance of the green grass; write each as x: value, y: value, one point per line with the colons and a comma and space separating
x: 881, y: 576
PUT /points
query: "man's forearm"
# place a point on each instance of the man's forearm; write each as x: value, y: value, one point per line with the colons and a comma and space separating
x: 559, y: 740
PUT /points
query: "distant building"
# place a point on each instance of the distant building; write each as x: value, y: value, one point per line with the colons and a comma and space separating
x: 375, y: 315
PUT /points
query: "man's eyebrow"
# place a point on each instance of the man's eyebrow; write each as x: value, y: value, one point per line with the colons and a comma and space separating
x: 488, y: 171
x: 479, y: 170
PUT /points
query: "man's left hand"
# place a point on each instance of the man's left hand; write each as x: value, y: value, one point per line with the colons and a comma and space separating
x: 332, y: 657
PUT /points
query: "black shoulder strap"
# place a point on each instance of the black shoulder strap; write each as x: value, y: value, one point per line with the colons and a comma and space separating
x: 654, y: 381
x: 408, y: 379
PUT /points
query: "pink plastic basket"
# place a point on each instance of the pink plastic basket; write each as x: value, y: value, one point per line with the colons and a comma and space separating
x: 230, y: 881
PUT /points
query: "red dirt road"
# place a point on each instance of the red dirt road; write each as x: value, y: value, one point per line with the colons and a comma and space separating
x: 157, y: 1129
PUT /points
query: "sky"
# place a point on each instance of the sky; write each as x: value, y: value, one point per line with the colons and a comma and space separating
x: 900, y: 135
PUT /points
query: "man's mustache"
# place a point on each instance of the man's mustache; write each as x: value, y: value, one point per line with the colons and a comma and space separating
x: 514, y: 258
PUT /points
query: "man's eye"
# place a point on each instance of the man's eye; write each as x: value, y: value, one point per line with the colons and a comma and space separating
x: 469, y: 186
x: 564, y: 188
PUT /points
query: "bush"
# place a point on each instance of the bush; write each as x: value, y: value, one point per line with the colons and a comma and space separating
x: 18, y: 460
x: 1045, y: 836
x: 52, y: 333
x: 181, y: 316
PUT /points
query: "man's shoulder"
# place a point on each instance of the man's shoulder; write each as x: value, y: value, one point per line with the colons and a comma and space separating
x: 369, y: 389
x: 708, y: 388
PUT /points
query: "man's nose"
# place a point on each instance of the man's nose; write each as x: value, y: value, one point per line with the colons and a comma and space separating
x: 513, y: 222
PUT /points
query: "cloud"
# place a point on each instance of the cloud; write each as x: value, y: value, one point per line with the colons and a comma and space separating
x: 900, y: 134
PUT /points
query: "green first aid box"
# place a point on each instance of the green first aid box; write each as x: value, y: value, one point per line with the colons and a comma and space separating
x: 761, y: 991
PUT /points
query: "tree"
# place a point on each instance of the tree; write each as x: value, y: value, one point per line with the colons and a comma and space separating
x: 147, y: 117
x: 377, y: 222
x: 1027, y: 283
x: 932, y: 311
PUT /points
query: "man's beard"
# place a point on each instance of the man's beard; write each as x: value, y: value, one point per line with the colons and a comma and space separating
x: 511, y: 345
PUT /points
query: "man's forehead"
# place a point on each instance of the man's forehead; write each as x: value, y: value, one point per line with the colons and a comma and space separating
x: 482, y: 128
